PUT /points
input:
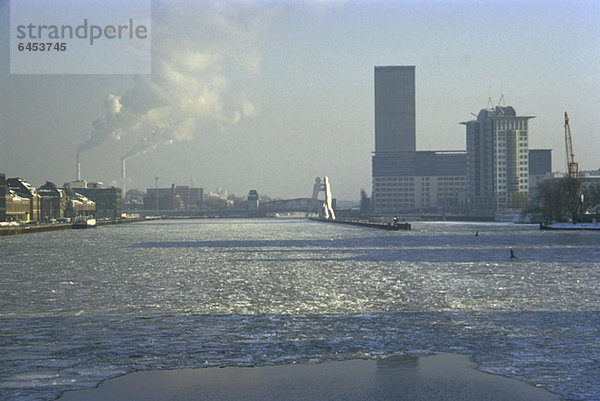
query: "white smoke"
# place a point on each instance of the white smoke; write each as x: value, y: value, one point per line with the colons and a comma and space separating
x: 113, y: 104
x: 109, y: 126
x: 204, y: 58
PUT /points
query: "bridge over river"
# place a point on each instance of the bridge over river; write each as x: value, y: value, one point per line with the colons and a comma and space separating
x: 263, y: 209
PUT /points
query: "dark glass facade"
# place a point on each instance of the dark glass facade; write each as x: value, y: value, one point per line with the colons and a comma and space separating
x: 394, y: 109
x: 540, y: 161
x: 2, y: 197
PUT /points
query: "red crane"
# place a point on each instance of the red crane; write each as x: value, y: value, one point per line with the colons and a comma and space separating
x: 572, y: 166
x: 575, y: 198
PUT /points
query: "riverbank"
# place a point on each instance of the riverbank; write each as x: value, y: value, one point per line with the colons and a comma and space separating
x: 593, y: 226
x: 436, y: 377
x: 38, y: 228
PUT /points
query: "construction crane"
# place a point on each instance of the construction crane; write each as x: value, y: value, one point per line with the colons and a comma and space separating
x: 572, y: 166
x: 575, y: 199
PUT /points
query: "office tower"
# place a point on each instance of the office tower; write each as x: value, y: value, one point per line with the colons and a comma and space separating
x: 540, y: 164
x: 404, y: 180
x: 394, y: 109
x: 425, y: 181
x: 540, y: 161
x: 3, y: 191
x: 497, y: 161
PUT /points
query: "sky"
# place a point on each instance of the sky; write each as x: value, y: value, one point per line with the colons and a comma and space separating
x: 268, y: 95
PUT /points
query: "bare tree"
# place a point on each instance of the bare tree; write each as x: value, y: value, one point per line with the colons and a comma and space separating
x: 552, y: 200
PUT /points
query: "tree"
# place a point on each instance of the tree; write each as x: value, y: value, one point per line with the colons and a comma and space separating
x: 559, y: 199
x: 552, y: 199
x: 574, y: 204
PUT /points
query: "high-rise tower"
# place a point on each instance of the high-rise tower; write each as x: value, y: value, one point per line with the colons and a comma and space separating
x: 497, y: 161
x: 404, y: 180
x: 394, y: 109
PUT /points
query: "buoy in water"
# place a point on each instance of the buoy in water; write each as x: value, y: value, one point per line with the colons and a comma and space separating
x: 512, y: 254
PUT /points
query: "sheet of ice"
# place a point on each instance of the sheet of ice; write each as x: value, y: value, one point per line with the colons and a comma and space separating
x: 79, y: 307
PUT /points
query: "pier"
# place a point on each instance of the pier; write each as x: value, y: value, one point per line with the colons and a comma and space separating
x: 394, y: 226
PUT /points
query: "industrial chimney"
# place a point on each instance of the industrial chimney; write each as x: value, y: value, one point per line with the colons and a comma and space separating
x: 124, y: 177
x: 77, y: 168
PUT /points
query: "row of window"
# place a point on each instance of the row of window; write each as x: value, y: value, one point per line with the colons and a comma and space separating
x: 393, y: 179
x: 394, y: 184
x: 448, y: 187
x: 512, y: 124
x: 407, y: 195
x: 410, y: 188
x: 425, y: 179
x: 440, y: 187
x: 383, y: 204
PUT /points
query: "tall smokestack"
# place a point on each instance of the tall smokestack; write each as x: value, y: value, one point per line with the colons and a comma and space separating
x: 124, y: 176
x: 77, y: 168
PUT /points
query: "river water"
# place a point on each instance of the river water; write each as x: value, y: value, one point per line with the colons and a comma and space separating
x: 80, y: 306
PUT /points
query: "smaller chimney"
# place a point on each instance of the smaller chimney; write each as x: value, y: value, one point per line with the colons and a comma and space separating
x: 124, y: 177
x: 77, y: 168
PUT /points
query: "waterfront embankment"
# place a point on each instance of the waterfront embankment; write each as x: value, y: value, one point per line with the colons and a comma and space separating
x: 38, y: 228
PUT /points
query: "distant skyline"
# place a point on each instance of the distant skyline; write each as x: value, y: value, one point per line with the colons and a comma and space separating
x: 268, y: 95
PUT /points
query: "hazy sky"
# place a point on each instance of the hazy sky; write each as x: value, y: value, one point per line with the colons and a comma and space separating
x: 269, y: 95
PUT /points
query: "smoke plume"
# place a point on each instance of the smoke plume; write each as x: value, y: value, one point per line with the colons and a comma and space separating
x: 204, y: 57
x: 107, y: 126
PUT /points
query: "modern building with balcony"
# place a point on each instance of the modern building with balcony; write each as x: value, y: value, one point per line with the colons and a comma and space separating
x: 497, y: 161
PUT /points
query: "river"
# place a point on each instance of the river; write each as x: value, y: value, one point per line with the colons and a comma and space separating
x: 80, y: 306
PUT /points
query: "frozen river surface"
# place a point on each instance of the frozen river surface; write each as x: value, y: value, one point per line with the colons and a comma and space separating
x: 80, y: 306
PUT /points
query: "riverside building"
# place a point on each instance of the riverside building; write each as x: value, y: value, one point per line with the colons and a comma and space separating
x: 53, y: 201
x: 394, y: 109
x: 419, y: 182
x: 25, y: 190
x: 405, y: 180
x: 174, y: 198
x: 108, y: 200
x: 540, y: 164
x: 18, y: 208
x: 497, y: 161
